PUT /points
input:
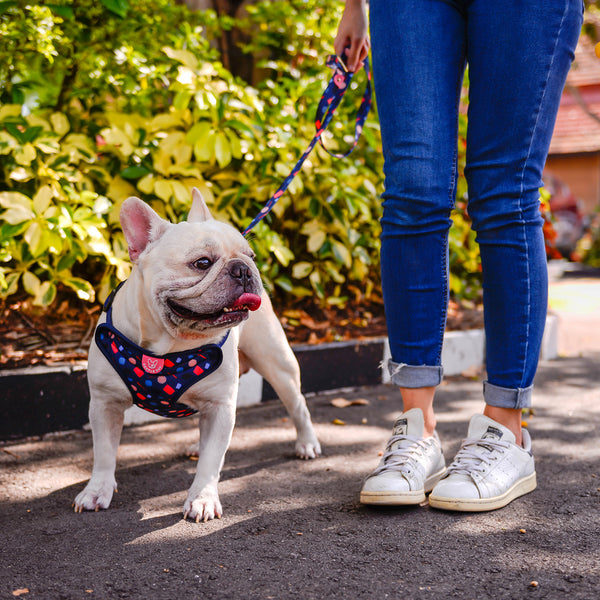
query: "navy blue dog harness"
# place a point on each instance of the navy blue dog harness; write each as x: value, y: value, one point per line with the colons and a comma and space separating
x: 156, y: 382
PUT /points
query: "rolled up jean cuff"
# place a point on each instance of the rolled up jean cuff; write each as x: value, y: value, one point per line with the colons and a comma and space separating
x: 413, y: 376
x: 507, y: 397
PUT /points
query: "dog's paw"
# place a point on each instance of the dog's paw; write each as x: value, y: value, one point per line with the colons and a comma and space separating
x: 308, y: 448
x: 95, y: 496
x: 203, y: 508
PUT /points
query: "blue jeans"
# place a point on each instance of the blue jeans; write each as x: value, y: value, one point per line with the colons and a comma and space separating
x: 519, y: 53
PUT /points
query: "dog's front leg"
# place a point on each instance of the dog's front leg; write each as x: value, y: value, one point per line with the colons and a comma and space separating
x: 216, y: 426
x: 106, y: 419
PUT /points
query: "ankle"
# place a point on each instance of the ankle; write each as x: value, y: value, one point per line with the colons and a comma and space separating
x: 421, y: 398
x: 509, y: 417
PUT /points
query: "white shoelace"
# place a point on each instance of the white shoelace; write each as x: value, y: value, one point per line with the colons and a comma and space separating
x: 476, y: 455
x: 403, y: 458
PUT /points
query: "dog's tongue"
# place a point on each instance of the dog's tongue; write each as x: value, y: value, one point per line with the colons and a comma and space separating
x: 252, y: 301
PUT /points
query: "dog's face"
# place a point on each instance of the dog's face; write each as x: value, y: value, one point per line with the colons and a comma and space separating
x: 198, y: 275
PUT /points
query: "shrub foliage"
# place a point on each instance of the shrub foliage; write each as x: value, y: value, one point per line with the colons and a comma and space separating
x: 101, y: 102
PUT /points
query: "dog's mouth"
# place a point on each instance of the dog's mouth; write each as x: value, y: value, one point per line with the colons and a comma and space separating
x: 236, y: 312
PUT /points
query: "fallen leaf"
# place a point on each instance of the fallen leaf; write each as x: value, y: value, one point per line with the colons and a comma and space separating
x: 20, y: 592
x: 340, y: 402
x: 338, y: 422
x: 344, y: 403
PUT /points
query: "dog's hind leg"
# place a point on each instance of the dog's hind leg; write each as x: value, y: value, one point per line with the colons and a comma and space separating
x: 274, y: 360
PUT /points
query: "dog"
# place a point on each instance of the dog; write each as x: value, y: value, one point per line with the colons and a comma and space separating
x: 170, y: 339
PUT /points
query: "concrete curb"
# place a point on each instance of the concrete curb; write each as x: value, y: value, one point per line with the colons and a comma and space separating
x: 41, y: 400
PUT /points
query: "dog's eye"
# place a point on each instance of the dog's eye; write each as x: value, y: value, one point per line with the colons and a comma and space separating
x: 202, y: 264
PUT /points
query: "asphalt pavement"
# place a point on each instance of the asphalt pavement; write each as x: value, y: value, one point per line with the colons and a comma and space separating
x: 295, y: 529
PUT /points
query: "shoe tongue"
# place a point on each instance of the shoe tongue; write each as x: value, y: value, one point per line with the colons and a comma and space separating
x: 484, y: 428
x: 409, y: 423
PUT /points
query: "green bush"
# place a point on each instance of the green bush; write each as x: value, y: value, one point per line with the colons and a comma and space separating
x: 169, y: 118
x: 91, y: 50
x: 53, y: 219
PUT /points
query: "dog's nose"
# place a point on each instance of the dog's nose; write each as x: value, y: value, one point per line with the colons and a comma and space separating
x: 240, y: 271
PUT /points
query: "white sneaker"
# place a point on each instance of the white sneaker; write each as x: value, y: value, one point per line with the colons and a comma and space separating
x: 410, y: 467
x: 488, y: 472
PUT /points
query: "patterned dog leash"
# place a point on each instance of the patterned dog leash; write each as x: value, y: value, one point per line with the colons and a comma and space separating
x: 330, y: 100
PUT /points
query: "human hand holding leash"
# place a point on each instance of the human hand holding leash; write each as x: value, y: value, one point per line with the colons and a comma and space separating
x: 353, y: 33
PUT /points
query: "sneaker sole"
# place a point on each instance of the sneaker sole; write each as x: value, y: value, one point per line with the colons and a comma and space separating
x: 520, y: 488
x: 390, y: 498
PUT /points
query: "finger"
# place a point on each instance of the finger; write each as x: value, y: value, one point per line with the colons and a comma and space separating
x: 352, y: 61
x: 358, y: 53
x: 340, y: 44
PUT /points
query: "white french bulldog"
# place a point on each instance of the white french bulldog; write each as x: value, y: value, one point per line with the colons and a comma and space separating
x: 191, y: 285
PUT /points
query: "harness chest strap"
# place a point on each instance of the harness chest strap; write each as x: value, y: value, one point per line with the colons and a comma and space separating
x: 156, y: 382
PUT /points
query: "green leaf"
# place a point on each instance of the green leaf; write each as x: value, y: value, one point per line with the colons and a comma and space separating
x: 8, y: 231
x: 60, y: 123
x: 31, y: 283
x: 10, y: 285
x: 25, y: 155
x: 135, y: 172
x: 4, y: 6
x: 182, y: 100
x: 66, y: 12
x: 284, y: 283
x: 18, y: 215
x: 222, y: 150
x: 342, y: 254
x: 15, y: 132
x: 46, y: 294
x: 315, y: 241
x: 66, y: 262
x: 82, y: 288
x: 301, y: 270
x: 34, y: 236
x: 31, y: 133
x: 118, y: 7
x: 198, y: 134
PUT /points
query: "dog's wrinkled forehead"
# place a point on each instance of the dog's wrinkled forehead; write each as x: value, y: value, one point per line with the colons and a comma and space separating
x: 212, y: 239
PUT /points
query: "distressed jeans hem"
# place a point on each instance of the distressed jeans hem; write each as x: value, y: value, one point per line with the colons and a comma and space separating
x: 415, y: 376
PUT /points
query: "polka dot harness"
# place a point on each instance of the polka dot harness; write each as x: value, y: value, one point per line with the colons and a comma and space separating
x: 156, y: 382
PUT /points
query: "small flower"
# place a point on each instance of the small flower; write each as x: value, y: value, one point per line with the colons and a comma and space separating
x: 339, y: 80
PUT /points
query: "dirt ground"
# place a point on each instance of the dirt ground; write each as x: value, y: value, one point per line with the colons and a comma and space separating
x: 29, y: 336
x: 294, y: 529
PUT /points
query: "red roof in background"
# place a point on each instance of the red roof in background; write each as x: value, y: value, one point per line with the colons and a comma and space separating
x: 576, y: 130
x: 586, y: 66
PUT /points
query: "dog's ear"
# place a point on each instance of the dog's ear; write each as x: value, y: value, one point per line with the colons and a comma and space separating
x: 199, y: 211
x: 141, y: 225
